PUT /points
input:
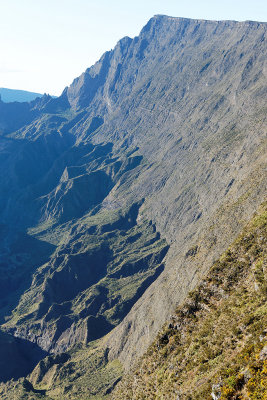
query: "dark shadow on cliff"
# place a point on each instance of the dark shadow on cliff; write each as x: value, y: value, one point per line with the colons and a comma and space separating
x: 17, y: 265
x: 18, y: 357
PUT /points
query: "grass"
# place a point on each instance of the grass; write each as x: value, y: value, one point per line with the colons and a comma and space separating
x: 87, y: 375
x: 215, y: 338
x: 134, y: 253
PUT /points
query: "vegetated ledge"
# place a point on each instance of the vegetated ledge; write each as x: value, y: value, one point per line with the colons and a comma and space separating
x: 215, y: 346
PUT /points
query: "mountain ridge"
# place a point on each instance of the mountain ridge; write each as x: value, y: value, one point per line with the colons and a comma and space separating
x: 12, y: 95
x: 120, y: 194
x: 206, y: 20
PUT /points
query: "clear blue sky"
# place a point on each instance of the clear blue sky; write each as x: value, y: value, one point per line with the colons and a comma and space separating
x: 45, y: 44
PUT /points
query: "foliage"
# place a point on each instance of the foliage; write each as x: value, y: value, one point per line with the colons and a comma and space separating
x: 217, y: 336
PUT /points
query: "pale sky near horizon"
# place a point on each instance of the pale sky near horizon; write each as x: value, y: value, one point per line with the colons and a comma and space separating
x: 45, y: 44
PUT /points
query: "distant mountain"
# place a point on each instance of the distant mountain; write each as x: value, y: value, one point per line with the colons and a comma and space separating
x: 116, y: 199
x: 9, y: 95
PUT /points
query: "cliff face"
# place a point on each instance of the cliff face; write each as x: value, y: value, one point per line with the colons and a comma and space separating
x: 215, y: 345
x: 119, y: 195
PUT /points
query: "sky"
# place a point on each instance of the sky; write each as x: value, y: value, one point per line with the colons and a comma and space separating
x: 45, y: 44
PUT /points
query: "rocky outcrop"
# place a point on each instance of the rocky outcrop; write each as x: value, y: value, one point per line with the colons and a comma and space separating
x: 214, y: 345
x: 90, y: 283
x: 136, y: 179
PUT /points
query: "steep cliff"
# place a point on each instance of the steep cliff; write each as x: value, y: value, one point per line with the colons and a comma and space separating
x: 119, y: 195
x: 215, y: 345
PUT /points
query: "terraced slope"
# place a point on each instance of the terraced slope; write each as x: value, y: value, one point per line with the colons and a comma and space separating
x: 118, y: 196
x: 90, y: 283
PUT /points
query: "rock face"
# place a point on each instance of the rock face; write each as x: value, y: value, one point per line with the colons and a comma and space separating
x: 118, y: 195
x: 214, y: 345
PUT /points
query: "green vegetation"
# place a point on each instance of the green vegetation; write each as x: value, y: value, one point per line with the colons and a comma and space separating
x: 215, y: 339
x: 85, y: 375
x: 164, y: 137
x: 89, y: 286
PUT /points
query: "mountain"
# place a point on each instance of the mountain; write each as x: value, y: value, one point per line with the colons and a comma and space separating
x: 119, y: 196
x: 214, y: 346
x: 10, y: 95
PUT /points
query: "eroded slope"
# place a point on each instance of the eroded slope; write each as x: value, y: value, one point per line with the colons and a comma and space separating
x: 161, y: 143
x: 215, y: 345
